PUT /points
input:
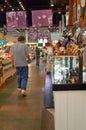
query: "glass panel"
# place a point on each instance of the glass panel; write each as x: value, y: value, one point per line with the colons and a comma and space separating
x: 66, y: 69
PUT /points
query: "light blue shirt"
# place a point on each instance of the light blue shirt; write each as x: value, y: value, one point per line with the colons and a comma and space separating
x: 19, y: 51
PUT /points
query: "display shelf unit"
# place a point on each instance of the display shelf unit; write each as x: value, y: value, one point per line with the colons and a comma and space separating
x: 67, y: 73
x: 6, y: 70
x: 69, y: 92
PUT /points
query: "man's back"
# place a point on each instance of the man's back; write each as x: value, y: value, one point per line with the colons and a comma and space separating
x: 19, y: 51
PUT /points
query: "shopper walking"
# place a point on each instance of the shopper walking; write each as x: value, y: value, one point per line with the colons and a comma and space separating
x: 37, y: 55
x: 20, y: 59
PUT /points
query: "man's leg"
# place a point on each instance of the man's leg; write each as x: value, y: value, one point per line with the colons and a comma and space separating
x: 24, y: 79
x: 18, y: 72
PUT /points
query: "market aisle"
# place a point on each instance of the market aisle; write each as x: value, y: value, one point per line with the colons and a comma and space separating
x: 23, y: 113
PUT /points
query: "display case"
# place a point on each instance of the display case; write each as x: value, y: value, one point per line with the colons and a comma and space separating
x: 6, y: 69
x: 67, y: 73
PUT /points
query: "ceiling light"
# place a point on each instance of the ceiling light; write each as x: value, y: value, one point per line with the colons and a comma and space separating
x: 12, y: 9
x: 2, y: 9
x: 10, y: 6
x: 59, y: 12
x: 52, y: 5
x: 20, y: 3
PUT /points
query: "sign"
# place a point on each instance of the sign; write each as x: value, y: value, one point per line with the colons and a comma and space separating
x: 41, y: 18
x: 55, y: 36
x: 16, y: 19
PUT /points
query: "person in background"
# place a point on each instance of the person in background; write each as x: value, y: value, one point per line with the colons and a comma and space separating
x: 84, y: 57
x: 20, y: 60
x: 50, y: 52
x: 37, y: 55
x: 44, y: 52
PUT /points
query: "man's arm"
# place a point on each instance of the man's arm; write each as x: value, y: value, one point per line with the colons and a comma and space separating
x: 12, y: 59
x: 28, y: 59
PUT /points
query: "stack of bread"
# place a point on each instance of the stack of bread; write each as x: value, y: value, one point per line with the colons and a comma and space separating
x: 72, y: 49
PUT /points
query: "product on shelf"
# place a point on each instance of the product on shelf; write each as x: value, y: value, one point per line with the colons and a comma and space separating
x: 69, y: 49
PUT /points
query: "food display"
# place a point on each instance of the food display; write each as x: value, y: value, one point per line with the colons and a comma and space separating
x: 6, y: 69
x: 66, y: 69
x: 66, y: 61
x: 68, y: 50
x: 66, y: 46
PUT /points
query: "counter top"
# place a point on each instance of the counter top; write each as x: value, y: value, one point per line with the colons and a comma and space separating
x: 67, y: 87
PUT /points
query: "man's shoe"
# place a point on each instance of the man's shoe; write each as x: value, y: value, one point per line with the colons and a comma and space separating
x: 23, y: 93
x: 19, y: 91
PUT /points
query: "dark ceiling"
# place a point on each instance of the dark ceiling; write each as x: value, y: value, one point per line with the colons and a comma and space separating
x: 28, y: 5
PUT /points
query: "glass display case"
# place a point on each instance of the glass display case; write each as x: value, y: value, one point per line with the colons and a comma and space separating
x: 67, y: 73
x: 66, y: 70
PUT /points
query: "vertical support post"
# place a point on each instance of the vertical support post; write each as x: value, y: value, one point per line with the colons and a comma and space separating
x: 26, y: 35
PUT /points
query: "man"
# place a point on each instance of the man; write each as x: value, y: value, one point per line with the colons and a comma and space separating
x: 20, y: 59
x: 37, y: 55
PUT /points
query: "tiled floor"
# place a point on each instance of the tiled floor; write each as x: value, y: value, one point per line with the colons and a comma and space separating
x: 48, y: 94
x: 23, y: 113
x: 48, y: 119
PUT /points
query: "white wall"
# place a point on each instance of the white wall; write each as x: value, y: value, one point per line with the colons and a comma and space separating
x: 70, y: 110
